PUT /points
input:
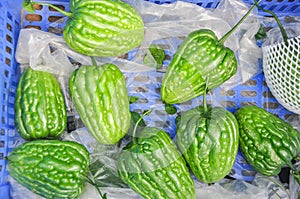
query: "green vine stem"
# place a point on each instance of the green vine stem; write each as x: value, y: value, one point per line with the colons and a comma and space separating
x: 90, y: 181
x: 94, y: 61
x: 278, y: 184
x: 204, y: 99
x: 136, y: 125
x: 282, y: 30
x: 205, y: 107
x: 295, y: 172
x: 276, y: 193
x: 28, y: 6
x: 223, y: 39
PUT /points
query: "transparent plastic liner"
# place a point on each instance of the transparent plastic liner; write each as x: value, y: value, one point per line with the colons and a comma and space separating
x: 165, y: 25
x: 293, y: 185
x: 162, y: 22
x: 261, y: 187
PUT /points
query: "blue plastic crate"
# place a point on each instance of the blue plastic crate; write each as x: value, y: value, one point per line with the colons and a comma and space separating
x: 255, y: 91
x: 9, y: 31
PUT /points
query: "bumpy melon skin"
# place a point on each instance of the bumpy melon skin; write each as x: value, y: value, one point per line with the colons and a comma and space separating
x: 154, y: 168
x: 50, y: 168
x: 199, y: 62
x: 209, y: 142
x: 40, y: 110
x: 268, y: 142
x: 103, y: 28
x: 100, y: 96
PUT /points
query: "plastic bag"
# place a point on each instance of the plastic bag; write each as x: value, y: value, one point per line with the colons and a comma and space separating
x: 274, y: 35
x: 49, y: 52
x: 177, y: 20
x: 105, y: 157
x: 103, y: 164
x: 261, y: 187
x: 294, y: 187
x: 166, y: 25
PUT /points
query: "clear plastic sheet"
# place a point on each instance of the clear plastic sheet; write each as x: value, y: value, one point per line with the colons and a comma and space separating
x: 261, y: 187
x: 228, y: 189
x: 46, y: 51
x: 165, y: 24
x: 294, y: 187
x: 274, y: 35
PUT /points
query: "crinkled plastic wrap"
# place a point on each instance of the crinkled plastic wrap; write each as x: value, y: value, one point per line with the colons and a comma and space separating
x: 294, y: 187
x: 168, y: 22
x: 104, y: 158
x: 166, y: 25
x: 274, y: 35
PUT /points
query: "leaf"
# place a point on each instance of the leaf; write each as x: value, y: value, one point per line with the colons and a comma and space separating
x: 104, y: 196
x: 157, y: 53
x: 261, y: 33
x: 135, y: 117
x: 177, y: 120
x: 105, y: 174
x: 28, y: 6
x: 133, y: 99
x: 170, y: 109
x: 90, y: 181
x: 296, y: 175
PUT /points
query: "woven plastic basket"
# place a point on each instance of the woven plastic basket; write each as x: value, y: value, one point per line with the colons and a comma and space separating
x: 12, y: 19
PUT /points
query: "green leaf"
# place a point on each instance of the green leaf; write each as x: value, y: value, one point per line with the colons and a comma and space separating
x: 135, y: 117
x: 105, y: 175
x: 170, y: 109
x: 146, y: 112
x: 133, y: 99
x: 157, y: 53
x: 28, y: 6
x: 104, y: 196
x: 296, y: 175
x: 261, y: 33
x: 90, y: 181
x: 177, y: 120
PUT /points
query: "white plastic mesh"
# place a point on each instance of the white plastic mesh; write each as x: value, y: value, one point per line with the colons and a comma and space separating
x: 281, y: 66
